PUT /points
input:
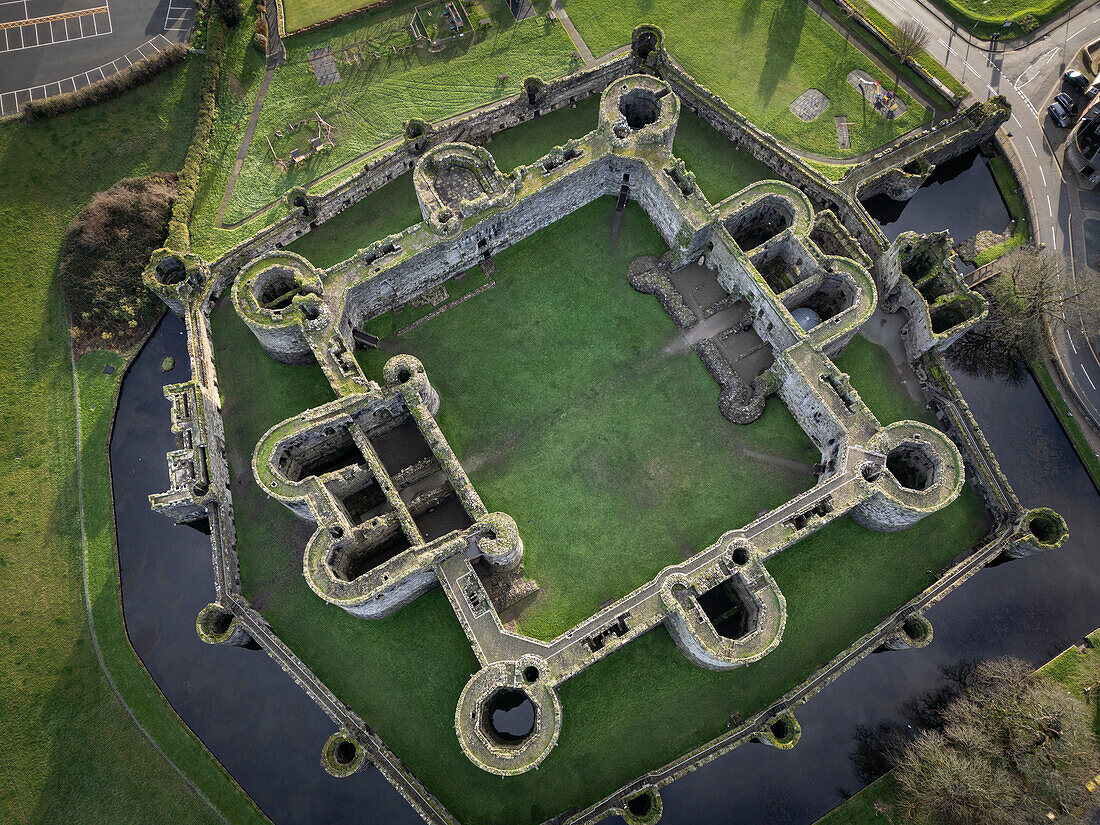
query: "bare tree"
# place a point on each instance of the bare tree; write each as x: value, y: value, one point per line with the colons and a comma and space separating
x: 1034, y: 289
x: 911, y: 40
x: 1014, y: 748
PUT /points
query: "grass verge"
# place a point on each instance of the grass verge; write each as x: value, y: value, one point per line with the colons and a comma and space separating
x: 1017, y: 209
x: 983, y: 18
x: 1069, y: 423
x: 68, y: 749
x: 759, y: 57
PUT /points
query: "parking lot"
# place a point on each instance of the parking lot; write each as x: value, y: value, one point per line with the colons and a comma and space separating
x: 48, y: 47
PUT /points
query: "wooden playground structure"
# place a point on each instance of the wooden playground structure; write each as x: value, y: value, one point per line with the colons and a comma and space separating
x: 322, y: 142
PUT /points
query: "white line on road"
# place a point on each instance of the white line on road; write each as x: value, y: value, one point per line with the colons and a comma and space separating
x: 1070, y: 339
x: 1050, y: 209
x: 1078, y: 31
x: 1044, y: 174
x: 1014, y: 118
x: 1032, y: 145
x: 992, y: 91
x: 949, y: 48
x: 1053, y: 239
x: 975, y: 71
x: 1086, y: 372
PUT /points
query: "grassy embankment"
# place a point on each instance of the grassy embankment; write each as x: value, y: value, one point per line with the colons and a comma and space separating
x: 1070, y: 425
x: 625, y: 715
x: 1067, y: 668
x: 759, y: 57
x: 986, y: 17
x: 1017, y: 210
x: 68, y: 749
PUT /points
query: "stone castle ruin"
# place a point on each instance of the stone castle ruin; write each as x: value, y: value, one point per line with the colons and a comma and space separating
x: 788, y: 281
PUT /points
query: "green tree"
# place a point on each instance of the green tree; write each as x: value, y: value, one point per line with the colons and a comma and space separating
x: 1015, y: 747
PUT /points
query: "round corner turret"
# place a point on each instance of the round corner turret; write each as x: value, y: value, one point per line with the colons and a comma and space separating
x: 217, y: 625
x: 342, y: 755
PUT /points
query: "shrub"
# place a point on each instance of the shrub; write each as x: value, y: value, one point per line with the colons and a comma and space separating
x: 232, y: 11
x: 102, y: 257
x: 109, y: 88
x: 178, y: 235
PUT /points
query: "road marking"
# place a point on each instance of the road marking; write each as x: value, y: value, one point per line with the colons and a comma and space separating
x: 1070, y: 339
x: 1086, y: 372
x: 1017, y: 122
x: 1044, y: 174
x: 1053, y: 239
x: 1032, y: 145
x: 949, y: 48
x: 1078, y: 31
x: 992, y: 91
x: 1050, y: 209
x: 975, y: 71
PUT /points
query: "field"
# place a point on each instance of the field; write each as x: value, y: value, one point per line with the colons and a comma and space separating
x: 298, y: 14
x: 989, y: 16
x: 627, y: 714
x: 68, y: 750
x: 758, y: 57
x: 779, y: 49
x: 375, y: 97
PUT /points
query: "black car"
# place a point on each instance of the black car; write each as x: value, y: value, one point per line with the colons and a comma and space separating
x: 1067, y: 102
x: 1075, y: 79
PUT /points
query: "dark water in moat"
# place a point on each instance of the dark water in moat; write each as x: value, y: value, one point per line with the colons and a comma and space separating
x: 250, y: 714
x: 269, y: 735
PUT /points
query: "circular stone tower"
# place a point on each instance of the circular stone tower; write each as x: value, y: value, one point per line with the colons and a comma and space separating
x: 279, y: 296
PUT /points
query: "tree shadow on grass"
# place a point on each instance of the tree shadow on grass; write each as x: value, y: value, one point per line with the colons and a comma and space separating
x: 784, y: 34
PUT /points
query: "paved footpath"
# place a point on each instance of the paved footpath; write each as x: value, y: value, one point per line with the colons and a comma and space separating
x: 574, y: 35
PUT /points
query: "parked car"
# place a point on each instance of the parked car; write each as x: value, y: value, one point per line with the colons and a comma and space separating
x: 1077, y: 80
x: 1067, y: 102
x: 1059, y: 115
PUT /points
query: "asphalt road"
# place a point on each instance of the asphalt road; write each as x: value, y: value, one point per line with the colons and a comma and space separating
x: 1029, y: 76
x: 78, y: 42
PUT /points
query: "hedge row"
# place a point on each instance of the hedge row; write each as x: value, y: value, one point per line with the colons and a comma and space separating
x: 179, y: 237
x: 109, y: 88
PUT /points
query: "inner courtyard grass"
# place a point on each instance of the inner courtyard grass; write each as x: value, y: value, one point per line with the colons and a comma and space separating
x: 759, y: 56
x: 69, y: 752
x: 574, y: 406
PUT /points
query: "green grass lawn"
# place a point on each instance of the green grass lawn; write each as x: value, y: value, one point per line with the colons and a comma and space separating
x: 301, y: 13
x: 388, y: 210
x: 1017, y: 209
x: 758, y: 56
x: 374, y: 98
x: 985, y: 17
x: 68, y: 750
x: 625, y: 715
x: 866, y: 364
x: 1070, y: 425
x: 555, y: 383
